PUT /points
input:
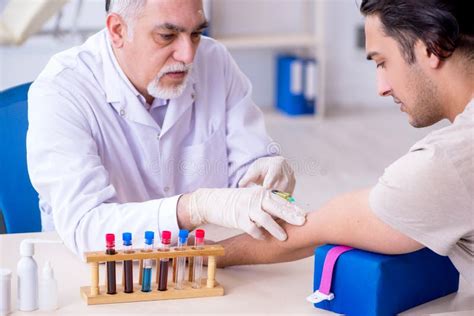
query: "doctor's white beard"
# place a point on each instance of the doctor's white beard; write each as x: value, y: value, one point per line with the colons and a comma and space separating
x: 157, y: 91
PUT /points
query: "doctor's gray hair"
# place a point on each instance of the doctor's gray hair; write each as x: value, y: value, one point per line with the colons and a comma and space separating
x: 129, y: 10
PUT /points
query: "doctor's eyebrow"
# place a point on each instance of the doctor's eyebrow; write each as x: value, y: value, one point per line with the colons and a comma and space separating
x: 177, y: 28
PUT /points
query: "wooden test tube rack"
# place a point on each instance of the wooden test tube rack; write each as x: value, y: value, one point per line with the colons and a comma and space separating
x: 96, y: 293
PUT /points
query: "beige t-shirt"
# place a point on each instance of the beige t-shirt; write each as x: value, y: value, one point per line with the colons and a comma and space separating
x: 428, y: 194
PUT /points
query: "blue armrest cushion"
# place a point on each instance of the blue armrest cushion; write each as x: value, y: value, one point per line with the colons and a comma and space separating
x: 370, y: 284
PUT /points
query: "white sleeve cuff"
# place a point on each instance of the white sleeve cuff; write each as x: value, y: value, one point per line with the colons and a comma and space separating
x: 167, y: 217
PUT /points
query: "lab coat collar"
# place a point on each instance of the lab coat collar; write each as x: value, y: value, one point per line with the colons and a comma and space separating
x: 120, y: 92
x: 113, y: 81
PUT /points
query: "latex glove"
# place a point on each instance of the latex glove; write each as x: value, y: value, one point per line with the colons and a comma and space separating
x: 245, y: 209
x: 271, y: 173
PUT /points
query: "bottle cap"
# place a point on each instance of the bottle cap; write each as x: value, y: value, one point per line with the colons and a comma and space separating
x: 27, y: 248
x: 110, y: 237
x: 149, y: 236
x: 127, y: 239
x: 48, y: 271
x: 200, y: 233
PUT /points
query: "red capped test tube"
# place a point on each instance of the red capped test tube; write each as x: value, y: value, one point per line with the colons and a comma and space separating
x: 110, y: 250
x: 197, y: 273
x: 165, y: 246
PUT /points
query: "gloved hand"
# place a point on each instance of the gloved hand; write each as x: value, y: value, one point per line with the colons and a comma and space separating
x: 271, y: 173
x: 245, y: 209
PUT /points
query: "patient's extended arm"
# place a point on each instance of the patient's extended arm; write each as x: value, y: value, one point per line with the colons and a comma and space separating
x: 345, y: 220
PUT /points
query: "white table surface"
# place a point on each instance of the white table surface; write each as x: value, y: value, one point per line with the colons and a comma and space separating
x: 249, y: 290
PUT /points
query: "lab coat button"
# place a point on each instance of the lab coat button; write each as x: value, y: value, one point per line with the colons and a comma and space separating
x: 122, y: 112
x: 167, y: 189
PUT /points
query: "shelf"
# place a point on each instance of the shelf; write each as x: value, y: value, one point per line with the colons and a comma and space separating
x: 270, y: 41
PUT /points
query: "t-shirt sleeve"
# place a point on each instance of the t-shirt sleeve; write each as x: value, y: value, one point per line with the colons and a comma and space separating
x: 422, y: 196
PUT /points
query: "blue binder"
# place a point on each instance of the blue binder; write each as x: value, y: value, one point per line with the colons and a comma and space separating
x: 370, y: 284
x: 289, y: 85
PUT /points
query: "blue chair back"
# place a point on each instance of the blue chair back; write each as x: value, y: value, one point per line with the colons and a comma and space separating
x: 18, y: 200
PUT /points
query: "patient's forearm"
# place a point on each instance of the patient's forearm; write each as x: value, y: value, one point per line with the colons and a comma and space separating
x: 345, y: 220
x: 243, y: 249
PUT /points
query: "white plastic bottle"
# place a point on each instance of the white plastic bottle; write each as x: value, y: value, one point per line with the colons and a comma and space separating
x: 5, y: 291
x: 27, y: 272
x: 48, y: 289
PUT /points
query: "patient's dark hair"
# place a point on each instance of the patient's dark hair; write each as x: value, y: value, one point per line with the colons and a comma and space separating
x: 443, y: 25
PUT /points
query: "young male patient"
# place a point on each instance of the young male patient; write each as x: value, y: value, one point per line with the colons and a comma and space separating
x: 424, y: 53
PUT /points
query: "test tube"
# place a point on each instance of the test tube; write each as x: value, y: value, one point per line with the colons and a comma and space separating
x: 165, y: 246
x: 147, y: 263
x: 197, y: 273
x: 110, y: 250
x: 181, y: 261
x: 128, y: 264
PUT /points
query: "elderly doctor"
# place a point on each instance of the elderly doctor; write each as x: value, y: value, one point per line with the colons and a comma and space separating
x: 150, y: 126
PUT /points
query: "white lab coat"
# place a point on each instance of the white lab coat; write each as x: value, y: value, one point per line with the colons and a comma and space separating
x: 100, y: 162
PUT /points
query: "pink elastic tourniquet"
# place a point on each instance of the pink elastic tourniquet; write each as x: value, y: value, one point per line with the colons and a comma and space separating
x: 329, y: 262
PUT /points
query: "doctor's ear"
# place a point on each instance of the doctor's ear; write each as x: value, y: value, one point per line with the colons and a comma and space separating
x: 117, y: 29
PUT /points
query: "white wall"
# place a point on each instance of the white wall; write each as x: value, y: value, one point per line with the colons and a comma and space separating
x: 24, y: 63
x: 260, y: 17
x: 350, y: 78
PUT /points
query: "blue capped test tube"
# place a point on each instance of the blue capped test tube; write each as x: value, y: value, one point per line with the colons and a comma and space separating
x: 181, y: 261
x: 147, y: 263
x: 127, y: 264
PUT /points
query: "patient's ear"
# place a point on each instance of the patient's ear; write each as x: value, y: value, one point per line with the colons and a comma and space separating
x: 433, y: 61
x: 425, y: 57
x: 117, y: 29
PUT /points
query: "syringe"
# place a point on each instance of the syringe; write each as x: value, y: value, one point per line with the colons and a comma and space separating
x: 181, y: 261
x: 147, y: 263
x: 284, y: 195
x: 197, y: 273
